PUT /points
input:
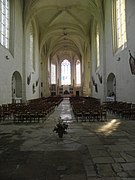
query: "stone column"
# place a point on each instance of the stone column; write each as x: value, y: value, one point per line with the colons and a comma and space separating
x: 86, y: 83
x: 44, y: 77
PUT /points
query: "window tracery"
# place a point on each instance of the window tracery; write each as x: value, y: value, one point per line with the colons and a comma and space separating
x: 65, y: 72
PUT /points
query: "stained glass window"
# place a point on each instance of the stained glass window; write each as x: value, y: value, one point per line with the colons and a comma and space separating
x: 65, y: 72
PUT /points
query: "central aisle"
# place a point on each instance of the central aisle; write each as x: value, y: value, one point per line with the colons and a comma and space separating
x: 64, y: 110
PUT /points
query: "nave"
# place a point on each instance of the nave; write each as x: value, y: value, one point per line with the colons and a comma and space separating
x: 90, y: 150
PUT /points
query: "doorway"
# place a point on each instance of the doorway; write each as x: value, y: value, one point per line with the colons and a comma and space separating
x: 111, y: 87
x: 16, y: 87
x: 77, y: 93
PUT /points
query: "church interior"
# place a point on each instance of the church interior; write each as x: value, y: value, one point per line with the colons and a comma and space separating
x: 67, y: 62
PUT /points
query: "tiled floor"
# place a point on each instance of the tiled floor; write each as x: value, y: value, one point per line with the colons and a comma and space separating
x: 90, y: 150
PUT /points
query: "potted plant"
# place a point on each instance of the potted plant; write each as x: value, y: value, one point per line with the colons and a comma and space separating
x: 61, y: 128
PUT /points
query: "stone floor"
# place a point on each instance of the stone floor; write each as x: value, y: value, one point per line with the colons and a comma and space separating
x: 90, y: 150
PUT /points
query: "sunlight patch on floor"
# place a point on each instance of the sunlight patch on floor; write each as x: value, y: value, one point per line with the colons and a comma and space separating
x: 109, y: 127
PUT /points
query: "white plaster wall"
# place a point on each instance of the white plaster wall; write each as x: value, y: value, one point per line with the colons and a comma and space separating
x: 125, y: 81
x: 8, y: 67
x: 29, y: 67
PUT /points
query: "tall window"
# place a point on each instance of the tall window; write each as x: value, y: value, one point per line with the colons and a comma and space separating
x: 32, y: 60
x: 4, y: 23
x: 53, y: 74
x: 119, y: 24
x: 78, y: 72
x: 97, y: 46
x: 65, y: 72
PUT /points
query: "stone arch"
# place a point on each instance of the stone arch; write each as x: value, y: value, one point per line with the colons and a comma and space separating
x: 16, y: 87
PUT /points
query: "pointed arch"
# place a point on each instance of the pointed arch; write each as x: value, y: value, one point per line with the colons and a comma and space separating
x: 65, y: 72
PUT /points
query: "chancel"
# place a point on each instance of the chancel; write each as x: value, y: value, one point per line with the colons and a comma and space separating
x: 72, y: 60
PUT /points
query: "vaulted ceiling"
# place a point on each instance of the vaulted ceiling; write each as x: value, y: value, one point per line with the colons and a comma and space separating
x: 64, y: 25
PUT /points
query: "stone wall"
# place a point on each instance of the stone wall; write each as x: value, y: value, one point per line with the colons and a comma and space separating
x: 117, y: 63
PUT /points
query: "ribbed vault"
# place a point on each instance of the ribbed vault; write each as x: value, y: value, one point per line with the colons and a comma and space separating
x: 64, y: 26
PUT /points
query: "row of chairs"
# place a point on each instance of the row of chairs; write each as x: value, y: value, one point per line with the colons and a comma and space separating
x: 88, y: 109
x: 121, y: 109
x: 31, y: 111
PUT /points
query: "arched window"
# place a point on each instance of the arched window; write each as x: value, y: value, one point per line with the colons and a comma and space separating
x: 78, y: 72
x: 31, y: 36
x: 65, y: 72
x: 119, y: 25
x: 53, y: 74
x: 97, y: 44
x: 4, y: 23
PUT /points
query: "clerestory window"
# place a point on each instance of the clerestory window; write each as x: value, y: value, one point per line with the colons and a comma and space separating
x: 4, y: 23
x: 119, y: 25
x: 97, y: 47
x: 31, y: 49
x: 78, y: 72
